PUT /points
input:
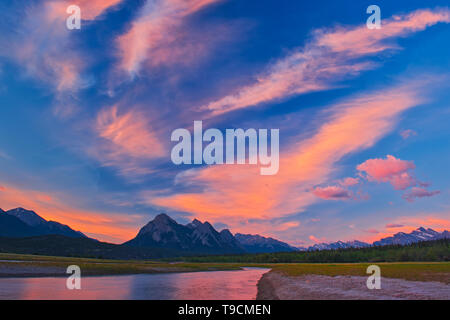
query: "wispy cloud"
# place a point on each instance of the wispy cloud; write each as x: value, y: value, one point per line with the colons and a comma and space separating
x: 126, y: 141
x: 417, y: 192
x: 239, y: 192
x: 332, y: 193
x: 153, y: 36
x: 4, y: 155
x: 408, y: 133
x: 331, y: 55
x: 394, y: 225
x: 39, y: 41
x: 347, y: 182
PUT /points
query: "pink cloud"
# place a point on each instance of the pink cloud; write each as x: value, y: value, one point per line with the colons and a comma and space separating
x: 90, y: 9
x: 408, y: 133
x: 392, y: 170
x: 155, y: 35
x: 332, y: 193
x: 129, y: 132
x: 239, y: 192
x: 417, y: 192
x: 361, y: 41
x: 42, y: 44
x: 348, y: 182
x: 330, y: 56
x: 399, y: 174
x: 127, y: 141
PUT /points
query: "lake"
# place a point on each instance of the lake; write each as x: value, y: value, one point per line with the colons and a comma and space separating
x: 213, y: 285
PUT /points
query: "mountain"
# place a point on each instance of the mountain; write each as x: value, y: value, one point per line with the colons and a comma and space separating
x: 420, y: 234
x: 27, y: 216
x: 195, y: 237
x: 401, y: 238
x: 260, y: 244
x: 11, y: 226
x: 339, y: 245
x: 35, y: 225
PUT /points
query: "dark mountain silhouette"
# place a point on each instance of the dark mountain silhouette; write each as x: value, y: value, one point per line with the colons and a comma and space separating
x: 164, y: 232
x: 11, y: 226
x: 34, y: 225
x: 63, y: 246
x: 259, y: 244
x: 29, y: 217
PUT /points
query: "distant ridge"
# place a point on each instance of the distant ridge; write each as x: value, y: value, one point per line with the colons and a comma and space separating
x: 400, y: 238
x: 20, y: 222
x: 338, y: 245
x: 259, y: 244
x: 420, y: 234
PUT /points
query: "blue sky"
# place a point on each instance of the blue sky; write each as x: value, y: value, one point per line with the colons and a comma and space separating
x: 86, y: 115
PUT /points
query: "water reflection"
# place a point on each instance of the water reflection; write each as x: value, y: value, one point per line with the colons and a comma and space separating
x: 217, y: 285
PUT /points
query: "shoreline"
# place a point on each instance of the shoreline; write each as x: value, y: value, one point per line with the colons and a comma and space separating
x: 63, y: 274
x: 275, y: 285
x: 37, y: 270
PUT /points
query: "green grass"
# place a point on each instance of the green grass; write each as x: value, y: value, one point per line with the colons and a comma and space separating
x: 416, y: 271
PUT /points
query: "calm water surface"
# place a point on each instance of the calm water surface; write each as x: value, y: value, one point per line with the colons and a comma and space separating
x: 215, y: 285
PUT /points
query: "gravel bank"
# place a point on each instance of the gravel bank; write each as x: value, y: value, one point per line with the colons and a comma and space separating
x: 274, y: 286
x: 30, y: 271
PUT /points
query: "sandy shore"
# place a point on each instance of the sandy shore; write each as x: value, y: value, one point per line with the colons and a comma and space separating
x: 276, y: 286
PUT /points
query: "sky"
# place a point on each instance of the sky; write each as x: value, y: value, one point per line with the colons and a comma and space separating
x: 86, y: 115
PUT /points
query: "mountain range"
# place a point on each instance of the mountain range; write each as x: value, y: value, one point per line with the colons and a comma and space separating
x: 25, y: 223
x: 259, y: 244
x: 400, y: 238
x: 337, y: 245
x: 164, y: 232
x: 420, y: 234
x: 21, y: 230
